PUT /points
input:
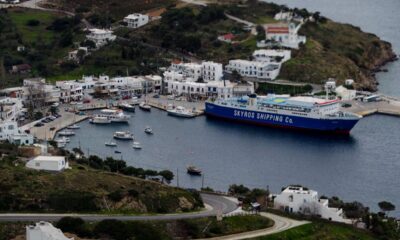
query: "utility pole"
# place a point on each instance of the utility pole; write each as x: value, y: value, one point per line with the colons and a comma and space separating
x: 177, y: 177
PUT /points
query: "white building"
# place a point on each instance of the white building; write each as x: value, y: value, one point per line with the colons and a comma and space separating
x: 136, y: 20
x: 74, y: 56
x: 211, y: 71
x: 44, y: 231
x: 254, y: 69
x: 9, y: 131
x: 345, y: 94
x: 349, y: 82
x: 278, y: 56
x: 297, y: 199
x: 192, y: 72
x: 220, y: 89
x: 100, y: 36
x: 285, y: 35
x: 71, y: 91
x: 48, y: 163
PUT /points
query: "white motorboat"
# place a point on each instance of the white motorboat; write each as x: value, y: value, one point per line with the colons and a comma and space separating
x: 61, y: 140
x: 111, y: 144
x: 148, y: 130
x: 134, y: 101
x: 74, y: 126
x: 180, y: 111
x: 66, y: 133
x: 136, y: 145
x: 123, y: 135
x: 100, y: 120
x: 144, y: 106
x: 113, y: 115
x: 127, y: 107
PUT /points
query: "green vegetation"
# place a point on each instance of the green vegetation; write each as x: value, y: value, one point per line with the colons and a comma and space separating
x: 179, y: 229
x: 264, y: 88
x: 321, y: 231
x: 335, y: 50
x: 83, y: 189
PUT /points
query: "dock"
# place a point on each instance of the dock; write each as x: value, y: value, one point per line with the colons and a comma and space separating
x: 387, y: 106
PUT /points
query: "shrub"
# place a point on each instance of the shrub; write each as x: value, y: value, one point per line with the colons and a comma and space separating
x: 33, y: 23
x: 72, y: 201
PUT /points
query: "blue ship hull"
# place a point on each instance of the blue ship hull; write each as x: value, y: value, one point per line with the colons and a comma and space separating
x: 340, y: 126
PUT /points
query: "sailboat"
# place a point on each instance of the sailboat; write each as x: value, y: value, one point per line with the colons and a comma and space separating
x: 144, y: 105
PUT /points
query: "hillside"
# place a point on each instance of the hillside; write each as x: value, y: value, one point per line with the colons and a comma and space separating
x: 84, y: 190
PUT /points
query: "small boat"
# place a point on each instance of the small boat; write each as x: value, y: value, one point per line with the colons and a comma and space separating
x: 100, y: 120
x: 148, y: 130
x: 74, y: 126
x: 144, y: 106
x: 62, y: 140
x: 136, y: 145
x: 61, y: 144
x: 66, y: 133
x: 181, y: 112
x: 123, y: 135
x: 111, y: 144
x: 118, y: 152
x: 127, y: 107
x: 134, y: 101
x: 192, y: 170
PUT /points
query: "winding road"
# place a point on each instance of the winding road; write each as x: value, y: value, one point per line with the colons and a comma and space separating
x: 215, y: 204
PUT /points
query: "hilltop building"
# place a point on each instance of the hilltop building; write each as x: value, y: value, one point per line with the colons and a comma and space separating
x: 284, y: 34
x: 193, y: 72
x: 272, y: 56
x: 298, y: 199
x: 44, y: 231
x: 136, y: 20
x: 48, y: 163
x: 100, y: 36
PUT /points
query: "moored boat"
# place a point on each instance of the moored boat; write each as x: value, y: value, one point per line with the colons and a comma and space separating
x: 100, y: 120
x: 144, y: 106
x: 303, y: 113
x: 127, y: 107
x: 180, y: 111
x: 123, y: 135
x: 113, y: 116
x: 148, y: 130
x: 111, y: 144
x: 74, y: 126
x: 192, y: 170
x: 136, y: 145
x: 66, y: 133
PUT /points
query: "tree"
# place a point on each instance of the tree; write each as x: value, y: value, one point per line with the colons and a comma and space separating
x: 66, y: 39
x: 235, y: 76
x: 166, y: 175
x: 386, y: 206
x: 260, y: 33
x: 81, y: 54
x: 89, y: 44
x: 33, y: 23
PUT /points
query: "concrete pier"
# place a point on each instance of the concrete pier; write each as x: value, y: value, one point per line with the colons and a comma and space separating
x: 388, y: 107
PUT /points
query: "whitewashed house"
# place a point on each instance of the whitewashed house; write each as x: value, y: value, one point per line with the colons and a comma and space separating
x: 74, y: 56
x: 298, y: 199
x: 44, y: 231
x: 349, y: 82
x: 48, y: 163
x: 278, y: 56
x: 71, y: 91
x: 136, y: 20
x: 253, y: 69
x: 100, y: 36
x: 9, y: 131
x: 284, y: 34
x: 211, y: 71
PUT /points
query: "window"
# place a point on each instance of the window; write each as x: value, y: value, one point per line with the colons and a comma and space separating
x: 10, y: 127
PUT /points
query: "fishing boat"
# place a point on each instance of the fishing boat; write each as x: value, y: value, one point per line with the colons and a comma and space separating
x: 66, y: 133
x: 111, y: 144
x: 118, y: 152
x: 127, y: 107
x: 74, y: 126
x: 136, y: 145
x: 192, y: 170
x: 180, y: 111
x: 123, y: 135
x: 100, y: 120
x: 144, y: 106
x: 148, y: 130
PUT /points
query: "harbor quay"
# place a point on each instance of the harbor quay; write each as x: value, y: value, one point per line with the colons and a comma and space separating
x: 386, y: 105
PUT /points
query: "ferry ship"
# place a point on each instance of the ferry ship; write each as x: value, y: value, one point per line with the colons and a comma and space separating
x: 112, y: 115
x: 303, y: 113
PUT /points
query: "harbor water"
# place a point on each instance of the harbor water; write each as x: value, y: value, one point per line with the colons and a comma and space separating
x: 364, y: 166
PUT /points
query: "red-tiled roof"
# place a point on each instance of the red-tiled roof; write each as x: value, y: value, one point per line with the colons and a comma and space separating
x: 228, y: 36
x: 277, y: 30
x: 176, y: 61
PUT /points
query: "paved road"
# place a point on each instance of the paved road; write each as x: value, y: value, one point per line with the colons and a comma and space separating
x: 216, y: 205
x: 281, y: 224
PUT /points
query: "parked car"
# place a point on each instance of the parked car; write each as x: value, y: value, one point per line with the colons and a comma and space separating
x: 57, y: 115
x: 39, y: 124
x: 27, y: 131
x: 156, y: 96
x: 346, y: 105
x: 56, y: 104
x: 171, y: 97
x: 52, y: 118
x: 52, y: 128
x: 86, y: 101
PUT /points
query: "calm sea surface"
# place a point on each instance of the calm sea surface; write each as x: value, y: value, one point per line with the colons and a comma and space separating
x: 364, y: 166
